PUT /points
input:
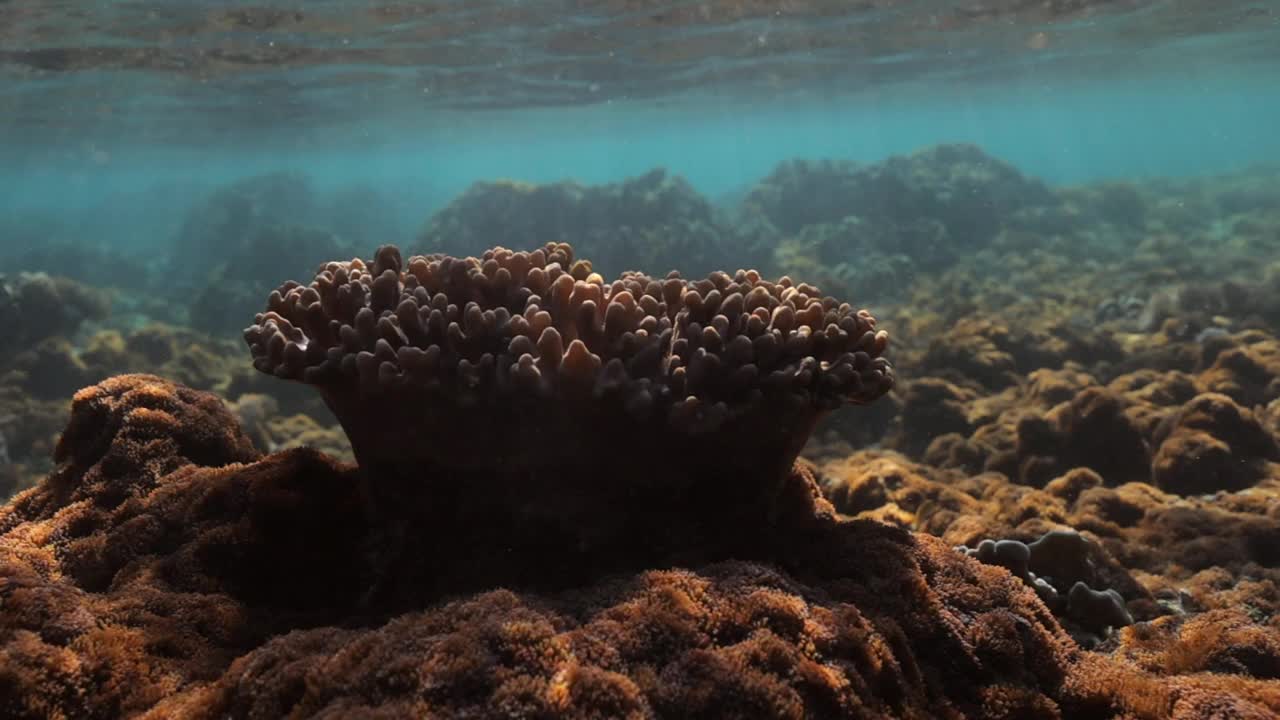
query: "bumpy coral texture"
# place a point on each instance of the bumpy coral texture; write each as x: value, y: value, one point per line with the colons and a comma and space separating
x: 501, y: 401
x: 529, y: 324
x: 159, y: 550
x: 165, y: 570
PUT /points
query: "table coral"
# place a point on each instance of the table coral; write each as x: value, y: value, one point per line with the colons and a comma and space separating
x: 520, y: 386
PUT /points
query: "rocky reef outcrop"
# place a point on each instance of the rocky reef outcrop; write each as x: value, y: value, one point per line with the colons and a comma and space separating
x: 846, y: 225
x: 651, y: 223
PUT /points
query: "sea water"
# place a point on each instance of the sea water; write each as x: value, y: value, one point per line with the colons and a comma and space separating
x: 116, y: 117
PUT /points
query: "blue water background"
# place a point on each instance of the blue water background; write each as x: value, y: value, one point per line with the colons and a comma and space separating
x: 124, y: 176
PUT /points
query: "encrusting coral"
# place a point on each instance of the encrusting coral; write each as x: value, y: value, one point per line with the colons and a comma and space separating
x: 1059, y: 568
x: 167, y: 570
x: 513, y: 385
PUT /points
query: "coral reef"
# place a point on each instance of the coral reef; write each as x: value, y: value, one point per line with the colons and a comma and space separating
x: 35, y: 386
x: 1060, y: 569
x: 36, y: 306
x: 233, y: 244
x: 651, y: 223
x: 845, y: 226
x: 413, y: 357
x: 233, y: 288
x: 1091, y: 411
x: 159, y: 568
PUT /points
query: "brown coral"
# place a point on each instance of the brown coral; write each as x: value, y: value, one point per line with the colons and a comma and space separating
x: 1211, y: 444
x: 505, y: 386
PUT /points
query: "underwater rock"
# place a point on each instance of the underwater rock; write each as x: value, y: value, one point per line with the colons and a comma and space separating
x: 727, y: 375
x: 36, y: 307
x: 890, y: 488
x: 225, y: 222
x: 1224, y: 643
x: 1061, y: 568
x: 1091, y: 430
x: 931, y: 408
x: 37, y: 383
x: 954, y: 450
x: 92, y: 266
x: 864, y: 255
x: 973, y: 351
x: 233, y: 244
x: 959, y: 186
x: 259, y: 415
x: 48, y: 370
x: 840, y: 433
x: 1244, y: 366
x: 651, y: 223
x: 252, y: 412
x: 877, y: 228
x: 1211, y: 444
x: 1122, y: 205
x: 233, y: 287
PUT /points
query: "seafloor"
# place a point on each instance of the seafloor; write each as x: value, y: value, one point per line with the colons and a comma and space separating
x: 1068, y: 505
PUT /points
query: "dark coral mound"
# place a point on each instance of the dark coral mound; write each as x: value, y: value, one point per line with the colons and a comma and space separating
x: 234, y: 243
x: 650, y: 223
x: 36, y: 306
x: 1211, y: 444
x: 877, y: 227
x: 958, y: 185
x: 154, y: 554
x: 501, y: 386
x: 731, y: 640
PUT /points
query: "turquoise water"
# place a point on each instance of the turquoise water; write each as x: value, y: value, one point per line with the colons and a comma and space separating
x: 117, y: 117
